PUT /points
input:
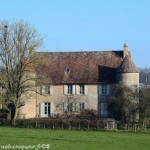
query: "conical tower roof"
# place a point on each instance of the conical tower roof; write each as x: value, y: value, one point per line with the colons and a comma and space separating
x: 127, y: 65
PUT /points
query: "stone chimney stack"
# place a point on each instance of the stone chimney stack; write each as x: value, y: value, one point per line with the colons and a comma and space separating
x: 125, y: 50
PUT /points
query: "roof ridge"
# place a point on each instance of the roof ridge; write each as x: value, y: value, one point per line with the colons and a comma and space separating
x: 84, y: 51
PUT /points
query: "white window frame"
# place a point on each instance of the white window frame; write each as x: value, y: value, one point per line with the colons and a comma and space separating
x: 47, y: 89
x: 82, y: 89
x: 82, y: 106
x: 69, y: 89
x: 47, y: 108
x: 104, y: 89
x: 72, y: 107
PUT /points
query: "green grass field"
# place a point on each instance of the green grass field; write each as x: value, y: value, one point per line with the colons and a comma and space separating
x: 74, y: 140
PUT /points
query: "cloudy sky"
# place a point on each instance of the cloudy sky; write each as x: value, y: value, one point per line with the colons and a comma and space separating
x: 87, y: 25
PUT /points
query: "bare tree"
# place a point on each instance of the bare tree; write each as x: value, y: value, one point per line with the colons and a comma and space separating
x: 18, y: 40
x: 69, y: 105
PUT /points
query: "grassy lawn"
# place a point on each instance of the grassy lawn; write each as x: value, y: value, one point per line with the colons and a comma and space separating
x: 74, y: 140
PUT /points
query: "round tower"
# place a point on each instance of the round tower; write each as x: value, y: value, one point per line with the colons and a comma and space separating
x: 127, y: 73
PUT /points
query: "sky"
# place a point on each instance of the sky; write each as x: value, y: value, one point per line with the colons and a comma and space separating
x: 87, y: 25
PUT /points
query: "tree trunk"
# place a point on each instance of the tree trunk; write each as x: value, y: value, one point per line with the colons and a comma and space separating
x: 16, y: 113
x: 15, y: 116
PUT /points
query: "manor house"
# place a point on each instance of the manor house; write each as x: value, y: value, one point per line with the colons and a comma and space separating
x: 84, y: 79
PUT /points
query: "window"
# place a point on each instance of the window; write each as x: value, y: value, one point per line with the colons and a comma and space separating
x: 69, y: 89
x: 47, y: 108
x: 67, y: 107
x: 82, y: 89
x: 104, y: 109
x: 47, y: 89
x: 75, y: 107
x: 82, y: 106
x: 104, y: 89
x: 70, y: 107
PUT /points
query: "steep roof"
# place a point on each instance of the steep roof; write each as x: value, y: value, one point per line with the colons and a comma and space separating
x: 127, y: 65
x: 79, y: 67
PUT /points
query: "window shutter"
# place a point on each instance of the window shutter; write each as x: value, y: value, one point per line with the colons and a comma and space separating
x: 85, y: 89
x: 73, y: 89
x: 52, y: 107
x: 100, y: 89
x: 42, y: 110
x: 85, y: 106
x: 77, y: 89
x: 64, y: 106
x: 108, y: 89
x: 65, y: 89
x: 73, y: 107
x: 77, y: 105
x: 38, y: 90
x: 43, y: 89
x: 51, y: 89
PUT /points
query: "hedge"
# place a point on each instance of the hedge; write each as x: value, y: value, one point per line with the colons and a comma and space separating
x: 57, y: 123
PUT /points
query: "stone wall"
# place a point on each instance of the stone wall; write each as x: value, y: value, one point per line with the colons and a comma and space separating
x: 32, y: 106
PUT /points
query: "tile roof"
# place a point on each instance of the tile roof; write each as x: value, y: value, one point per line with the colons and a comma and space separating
x: 127, y: 65
x: 79, y: 67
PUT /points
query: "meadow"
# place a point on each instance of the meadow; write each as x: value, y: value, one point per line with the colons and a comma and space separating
x: 72, y: 140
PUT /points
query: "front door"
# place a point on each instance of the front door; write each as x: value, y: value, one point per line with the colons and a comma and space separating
x: 47, y: 109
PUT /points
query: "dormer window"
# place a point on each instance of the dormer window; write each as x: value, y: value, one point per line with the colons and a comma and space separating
x: 68, y: 69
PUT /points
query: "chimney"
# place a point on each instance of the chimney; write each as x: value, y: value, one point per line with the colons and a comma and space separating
x: 125, y: 50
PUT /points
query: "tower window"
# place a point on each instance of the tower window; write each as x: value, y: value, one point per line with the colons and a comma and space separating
x: 104, y: 89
